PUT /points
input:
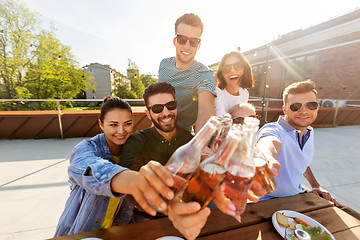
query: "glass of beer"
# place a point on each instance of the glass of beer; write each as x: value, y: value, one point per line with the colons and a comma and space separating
x: 263, y: 174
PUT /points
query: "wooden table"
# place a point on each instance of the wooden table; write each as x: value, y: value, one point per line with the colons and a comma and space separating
x: 256, y: 222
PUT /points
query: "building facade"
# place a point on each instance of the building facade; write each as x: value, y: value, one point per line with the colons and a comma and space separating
x: 103, y: 76
x: 327, y: 53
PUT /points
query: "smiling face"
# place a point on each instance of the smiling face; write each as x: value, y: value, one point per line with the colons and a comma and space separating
x: 233, y: 78
x: 117, y: 126
x: 164, y: 121
x: 185, y: 54
x: 304, y: 117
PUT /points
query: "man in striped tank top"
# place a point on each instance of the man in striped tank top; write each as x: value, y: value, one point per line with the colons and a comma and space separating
x: 194, y: 82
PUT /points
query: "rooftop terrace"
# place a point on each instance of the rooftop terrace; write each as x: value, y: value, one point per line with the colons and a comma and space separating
x: 33, y: 180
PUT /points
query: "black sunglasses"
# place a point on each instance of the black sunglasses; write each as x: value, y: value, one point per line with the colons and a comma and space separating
x: 181, y: 39
x: 240, y: 120
x: 227, y: 68
x: 158, y: 108
x: 310, y: 105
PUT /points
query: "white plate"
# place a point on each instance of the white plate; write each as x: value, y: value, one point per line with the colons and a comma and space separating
x: 288, y: 213
x: 169, y: 238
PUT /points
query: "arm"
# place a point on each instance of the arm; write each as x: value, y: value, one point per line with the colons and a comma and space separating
x: 206, y: 109
x: 270, y: 147
x: 146, y: 185
x: 316, y: 188
x: 91, y: 172
x: 187, y: 218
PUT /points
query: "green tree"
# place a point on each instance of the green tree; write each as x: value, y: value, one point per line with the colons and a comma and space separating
x: 52, y: 73
x: 132, y: 85
x: 147, y: 79
x: 137, y: 87
x: 17, y: 25
x: 122, y: 86
x: 34, y: 64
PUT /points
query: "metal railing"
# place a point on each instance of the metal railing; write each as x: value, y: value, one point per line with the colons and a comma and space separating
x: 58, y: 106
x: 140, y: 102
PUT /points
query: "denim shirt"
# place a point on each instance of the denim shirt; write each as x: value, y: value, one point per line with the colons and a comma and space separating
x: 90, y: 172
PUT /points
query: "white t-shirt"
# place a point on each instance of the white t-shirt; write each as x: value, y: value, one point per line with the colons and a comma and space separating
x: 225, y: 101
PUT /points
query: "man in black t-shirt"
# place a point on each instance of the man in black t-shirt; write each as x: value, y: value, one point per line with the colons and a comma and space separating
x: 161, y: 140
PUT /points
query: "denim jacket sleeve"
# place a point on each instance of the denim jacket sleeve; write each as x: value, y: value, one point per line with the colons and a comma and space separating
x: 91, y: 171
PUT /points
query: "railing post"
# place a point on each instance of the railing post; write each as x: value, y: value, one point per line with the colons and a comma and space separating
x: 59, y: 117
x: 266, y: 109
x: 336, y: 112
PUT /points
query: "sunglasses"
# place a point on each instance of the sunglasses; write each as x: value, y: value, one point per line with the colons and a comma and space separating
x: 240, y: 120
x: 310, y: 105
x: 158, y: 108
x: 227, y: 68
x: 181, y: 39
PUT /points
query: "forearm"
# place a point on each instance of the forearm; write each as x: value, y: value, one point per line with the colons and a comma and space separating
x: 311, y: 178
x: 270, y: 146
x: 202, y: 119
x: 91, y: 172
x: 120, y: 183
x: 206, y: 109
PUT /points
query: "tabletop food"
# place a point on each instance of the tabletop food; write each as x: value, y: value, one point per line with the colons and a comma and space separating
x: 316, y: 233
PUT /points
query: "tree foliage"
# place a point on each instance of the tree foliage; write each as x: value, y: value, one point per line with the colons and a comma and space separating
x: 147, y: 79
x: 122, y: 86
x: 34, y: 63
x: 132, y: 85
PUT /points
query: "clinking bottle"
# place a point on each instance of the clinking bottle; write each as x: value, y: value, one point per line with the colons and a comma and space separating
x: 186, y: 159
x: 211, y: 172
x: 240, y: 168
x: 219, y: 136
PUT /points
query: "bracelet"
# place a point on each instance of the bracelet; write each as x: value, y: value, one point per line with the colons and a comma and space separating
x: 316, y: 188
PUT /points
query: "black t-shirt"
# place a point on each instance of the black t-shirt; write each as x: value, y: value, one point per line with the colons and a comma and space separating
x: 148, y: 144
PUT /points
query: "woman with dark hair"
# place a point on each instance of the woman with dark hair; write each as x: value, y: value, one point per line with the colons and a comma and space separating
x: 234, y: 77
x: 99, y: 183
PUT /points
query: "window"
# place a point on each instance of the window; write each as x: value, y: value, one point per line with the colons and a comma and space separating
x: 257, y: 74
x: 297, y: 69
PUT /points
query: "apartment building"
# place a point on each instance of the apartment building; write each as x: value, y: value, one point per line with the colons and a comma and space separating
x: 103, y: 76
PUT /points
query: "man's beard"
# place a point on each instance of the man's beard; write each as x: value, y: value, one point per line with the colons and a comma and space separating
x: 162, y: 127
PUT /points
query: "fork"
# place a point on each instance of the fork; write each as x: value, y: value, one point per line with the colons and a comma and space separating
x: 285, y: 236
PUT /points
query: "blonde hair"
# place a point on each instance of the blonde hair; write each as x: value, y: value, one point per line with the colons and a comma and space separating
x: 240, y: 106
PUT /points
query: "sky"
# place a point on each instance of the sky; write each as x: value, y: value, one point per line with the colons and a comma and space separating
x: 113, y: 31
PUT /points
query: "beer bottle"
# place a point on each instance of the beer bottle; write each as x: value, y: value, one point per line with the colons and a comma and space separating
x: 211, y: 172
x: 219, y: 136
x: 240, y: 168
x: 186, y: 158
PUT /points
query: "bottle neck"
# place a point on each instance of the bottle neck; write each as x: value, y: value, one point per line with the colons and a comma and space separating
x: 202, y: 138
x: 226, y: 149
x: 251, y: 126
x: 251, y: 138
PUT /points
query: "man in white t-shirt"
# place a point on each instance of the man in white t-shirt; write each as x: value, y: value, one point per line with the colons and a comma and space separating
x: 290, y: 142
